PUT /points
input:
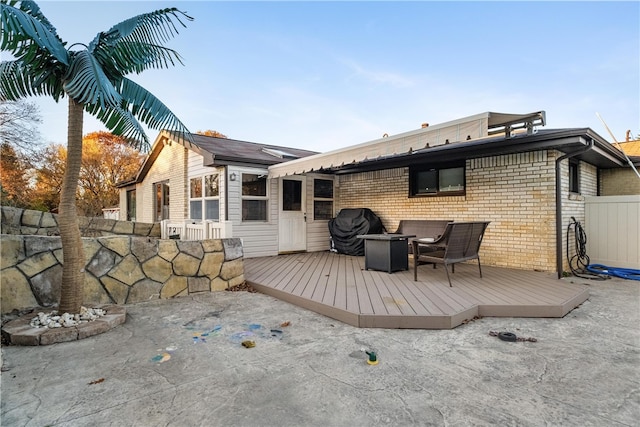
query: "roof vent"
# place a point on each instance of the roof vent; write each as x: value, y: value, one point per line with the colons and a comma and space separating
x: 281, y: 154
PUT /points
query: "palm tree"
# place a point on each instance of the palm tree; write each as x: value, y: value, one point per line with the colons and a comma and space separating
x: 93, y: 78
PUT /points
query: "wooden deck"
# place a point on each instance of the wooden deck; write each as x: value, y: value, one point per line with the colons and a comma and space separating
x: 339, y: 287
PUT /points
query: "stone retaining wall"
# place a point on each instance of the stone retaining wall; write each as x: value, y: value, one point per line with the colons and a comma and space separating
x: 30, y: 222
x: 119, y: 269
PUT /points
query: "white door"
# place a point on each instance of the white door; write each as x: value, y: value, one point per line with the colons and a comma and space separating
x: 293, y: 214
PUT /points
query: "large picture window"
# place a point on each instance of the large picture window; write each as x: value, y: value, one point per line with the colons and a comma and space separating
x: 254, y: 197
x: 437, y: 181
x: 322, y: 199
x: 204, y: 198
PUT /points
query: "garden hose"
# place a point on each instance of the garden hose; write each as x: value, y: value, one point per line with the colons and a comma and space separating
x: 579, y: 262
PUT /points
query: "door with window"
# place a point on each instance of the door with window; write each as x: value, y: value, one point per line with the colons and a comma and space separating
x: 292, y: 214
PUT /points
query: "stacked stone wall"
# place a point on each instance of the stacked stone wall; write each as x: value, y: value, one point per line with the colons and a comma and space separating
x: 30, y: 222
x: 119, y: 269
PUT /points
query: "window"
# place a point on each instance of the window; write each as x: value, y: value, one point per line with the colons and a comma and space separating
x: 131, y: 205
x: 574, y: 176
x: 204, y: 198
x: 437, y: 181
x: 322, y: 199
x: 161, y: 200
x: 254, y: 197
x: 291, y: 195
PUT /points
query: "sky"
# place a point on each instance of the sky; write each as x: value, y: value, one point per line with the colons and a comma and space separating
x: 326, y: 75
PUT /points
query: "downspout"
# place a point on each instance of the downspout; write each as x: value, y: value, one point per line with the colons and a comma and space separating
x: 559, y: 228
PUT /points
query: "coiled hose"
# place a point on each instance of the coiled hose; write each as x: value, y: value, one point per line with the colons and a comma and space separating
x: 579, y: 263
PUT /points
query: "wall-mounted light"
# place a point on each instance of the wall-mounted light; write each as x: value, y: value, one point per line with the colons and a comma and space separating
x: 233, y: 176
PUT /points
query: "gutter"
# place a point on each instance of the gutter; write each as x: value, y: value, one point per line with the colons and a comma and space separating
x: 559, y: 228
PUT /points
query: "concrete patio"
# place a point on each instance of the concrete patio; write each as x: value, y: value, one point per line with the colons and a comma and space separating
x: 180, y: 362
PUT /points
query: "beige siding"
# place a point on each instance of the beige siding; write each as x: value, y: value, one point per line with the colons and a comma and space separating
x: 170, y: 165
x: 123, y: 204
x: 515, y: 192
x: 612, y: 225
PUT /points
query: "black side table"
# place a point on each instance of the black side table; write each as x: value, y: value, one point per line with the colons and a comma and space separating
x: 386, y: 252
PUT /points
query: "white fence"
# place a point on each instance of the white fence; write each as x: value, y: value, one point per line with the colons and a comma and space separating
x: 192, y: 230
x: 612, y: 225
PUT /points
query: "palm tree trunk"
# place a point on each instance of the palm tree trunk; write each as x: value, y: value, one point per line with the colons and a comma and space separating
x: 73, y: 252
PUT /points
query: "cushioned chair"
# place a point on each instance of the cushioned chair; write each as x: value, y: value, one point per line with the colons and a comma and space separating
x: 422, y: 228
x: 459, y: 242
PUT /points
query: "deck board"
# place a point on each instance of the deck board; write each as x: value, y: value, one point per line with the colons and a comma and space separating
x: 339, y: 287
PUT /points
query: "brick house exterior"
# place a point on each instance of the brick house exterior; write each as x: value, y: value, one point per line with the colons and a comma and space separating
x: 528, y: 184
x: 516, y: 192
x: 622, y: 182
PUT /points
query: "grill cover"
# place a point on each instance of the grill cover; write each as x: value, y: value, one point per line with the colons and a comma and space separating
x: 350, y: 223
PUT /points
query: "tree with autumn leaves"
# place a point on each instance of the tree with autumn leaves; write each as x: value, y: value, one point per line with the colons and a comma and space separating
x: 106, y: 160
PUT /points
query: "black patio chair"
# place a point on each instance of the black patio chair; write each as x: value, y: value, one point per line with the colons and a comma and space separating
x: 459, y: 242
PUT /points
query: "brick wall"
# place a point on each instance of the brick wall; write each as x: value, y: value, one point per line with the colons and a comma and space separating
x: 619, y: 182
x: 573, y: 205
x: 515, y: 192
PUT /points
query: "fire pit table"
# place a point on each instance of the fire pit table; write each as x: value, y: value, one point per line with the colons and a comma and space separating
x: 386, y: 252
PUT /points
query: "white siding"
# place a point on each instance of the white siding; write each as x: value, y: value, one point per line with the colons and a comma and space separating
x: 258, y: 238
x: 318, y: 238
x: 195, y: 168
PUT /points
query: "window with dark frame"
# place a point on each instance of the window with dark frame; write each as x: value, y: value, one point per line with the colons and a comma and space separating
x: 322, y: 199
x: 448, y: 180
x: 254, y: 197
x: 161, y: 190
x: 574, y: 176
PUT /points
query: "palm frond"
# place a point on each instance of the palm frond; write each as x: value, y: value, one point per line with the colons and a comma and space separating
x: 153, y: 28
x: 136, y: 43
x: 122, y: 122
x: 87, y: 83
x: 133, y: 56
x: 20, y: 81
x: 150, y: 110
x: 25, y: 35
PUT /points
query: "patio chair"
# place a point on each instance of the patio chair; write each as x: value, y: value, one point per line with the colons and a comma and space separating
x: 459, y: 242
